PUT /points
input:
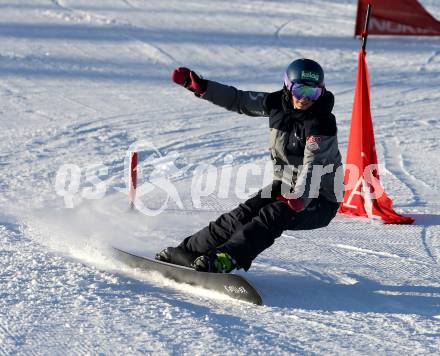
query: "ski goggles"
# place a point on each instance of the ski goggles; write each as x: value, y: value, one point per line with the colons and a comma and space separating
x: 300, y: 91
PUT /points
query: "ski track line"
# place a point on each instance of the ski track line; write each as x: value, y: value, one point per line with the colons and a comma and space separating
x: 279, y: 29
x: 149, y: 45
x: 24, y: 98
x: 278, y: 40
x: 81, y: 13
x: 388, y: 254
x: 428, y: 245
x: 129, y: 4
x: 8, y: 335
x: 432, y: 57
x: 111, y: 119
x: 59, y: 5
x: 417, y: 186
x: 324, y: 245
x: 392, y: 168
x: 18, y: 98
x: 336, y: 249
x: 429, y: 61
x: 76, y: 102
x: 167, y: 59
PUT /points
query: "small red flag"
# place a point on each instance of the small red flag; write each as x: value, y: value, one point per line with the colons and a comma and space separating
x: 364, y: 195
x: 132, y: 178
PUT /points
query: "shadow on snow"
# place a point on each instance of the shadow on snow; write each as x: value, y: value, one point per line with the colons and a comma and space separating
x: 366, y: 296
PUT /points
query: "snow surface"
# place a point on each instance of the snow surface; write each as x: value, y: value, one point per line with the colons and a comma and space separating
x: 81, y: 81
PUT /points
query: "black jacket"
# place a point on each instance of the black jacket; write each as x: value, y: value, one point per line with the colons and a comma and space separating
x: 303, y: 143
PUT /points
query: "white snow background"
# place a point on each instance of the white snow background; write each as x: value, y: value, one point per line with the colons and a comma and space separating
x: 81, y: 81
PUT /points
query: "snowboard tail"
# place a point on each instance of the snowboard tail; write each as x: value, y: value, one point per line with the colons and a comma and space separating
x: 233, y: 285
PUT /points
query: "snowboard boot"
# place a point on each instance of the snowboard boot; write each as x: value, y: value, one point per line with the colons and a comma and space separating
x: 221, y: 262
x: 163, y: 256
x: 176, y: 256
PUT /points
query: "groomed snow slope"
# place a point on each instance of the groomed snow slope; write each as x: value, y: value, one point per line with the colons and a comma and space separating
x: 81, y: 81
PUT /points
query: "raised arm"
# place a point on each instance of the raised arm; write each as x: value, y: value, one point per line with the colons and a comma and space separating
x: 243, y: 102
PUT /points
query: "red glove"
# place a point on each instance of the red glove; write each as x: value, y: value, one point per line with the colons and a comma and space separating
x: 294, y: 204
x: 190, y: 80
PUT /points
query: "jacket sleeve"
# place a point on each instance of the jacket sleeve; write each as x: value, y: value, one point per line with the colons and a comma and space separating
x: 321, y: 158
x: 243, y: 102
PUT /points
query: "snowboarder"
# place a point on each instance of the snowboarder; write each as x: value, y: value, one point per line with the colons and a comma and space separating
x: 303, y: 135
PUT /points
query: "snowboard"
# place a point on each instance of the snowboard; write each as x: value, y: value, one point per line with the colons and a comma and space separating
x: 233, y: 285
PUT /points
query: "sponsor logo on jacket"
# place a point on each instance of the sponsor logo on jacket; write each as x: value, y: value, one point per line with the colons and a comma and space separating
x: 313, y: 143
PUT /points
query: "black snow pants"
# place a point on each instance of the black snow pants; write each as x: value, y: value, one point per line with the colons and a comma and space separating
x: 254, y: 225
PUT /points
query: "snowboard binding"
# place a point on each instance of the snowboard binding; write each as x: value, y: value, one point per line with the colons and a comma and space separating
x: 221, y: 262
